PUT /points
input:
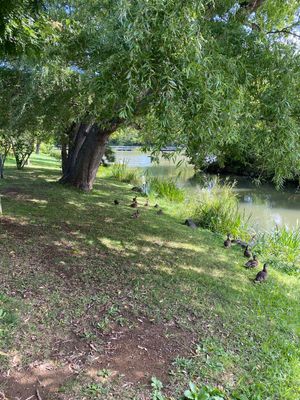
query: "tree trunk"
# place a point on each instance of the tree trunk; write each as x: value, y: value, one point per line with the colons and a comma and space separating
x: 37, y: 148
x: 85, y: 153
x: 1, y: 167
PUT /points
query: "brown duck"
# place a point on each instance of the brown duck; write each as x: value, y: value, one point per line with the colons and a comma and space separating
x: 160, y: 212
x: 136, y: 214
x: 252, y: 263
x: 247, y: 252
x: 134, y: 203
x: 227, y: 242
x: 262, y: 275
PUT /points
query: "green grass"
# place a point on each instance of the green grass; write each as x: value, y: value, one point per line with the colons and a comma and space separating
x: 72, y: 260
x: 8, y: 323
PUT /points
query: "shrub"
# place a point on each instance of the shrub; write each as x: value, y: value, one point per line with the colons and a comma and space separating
x: 123, y: 173
x: 166, y: 188
x: 217, y: 208
x: 55, y: 153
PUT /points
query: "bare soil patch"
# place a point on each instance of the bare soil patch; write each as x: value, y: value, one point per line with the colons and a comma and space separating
x: 135, y: 355
x: 146, y: 351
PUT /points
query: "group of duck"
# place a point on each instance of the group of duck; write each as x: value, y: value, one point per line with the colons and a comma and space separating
x: 253, y: 262
x: 135, y: 204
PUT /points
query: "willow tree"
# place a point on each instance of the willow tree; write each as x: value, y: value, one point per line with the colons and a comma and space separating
x: 202, y: 75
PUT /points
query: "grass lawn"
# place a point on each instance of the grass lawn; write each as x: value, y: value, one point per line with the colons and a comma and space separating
x: 94, y: 303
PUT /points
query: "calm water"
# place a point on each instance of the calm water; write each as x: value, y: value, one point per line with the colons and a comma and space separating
x: 266, y: 206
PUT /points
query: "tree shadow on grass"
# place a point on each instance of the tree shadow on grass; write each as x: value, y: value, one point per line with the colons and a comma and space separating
x: 84, y: 267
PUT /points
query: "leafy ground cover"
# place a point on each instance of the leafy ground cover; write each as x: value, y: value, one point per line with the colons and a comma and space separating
x: 95, y: 303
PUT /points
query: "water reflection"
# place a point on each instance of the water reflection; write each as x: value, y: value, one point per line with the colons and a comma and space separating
x: 265, y: 205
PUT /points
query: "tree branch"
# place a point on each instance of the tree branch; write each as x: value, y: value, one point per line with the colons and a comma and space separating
x: 284, y: 31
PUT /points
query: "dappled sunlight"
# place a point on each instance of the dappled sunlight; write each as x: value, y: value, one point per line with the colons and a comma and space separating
x: 172, y: 244
x: 112, y: 244
x: 38, y: 201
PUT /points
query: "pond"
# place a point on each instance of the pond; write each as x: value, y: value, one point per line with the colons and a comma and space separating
x: 264, y: 203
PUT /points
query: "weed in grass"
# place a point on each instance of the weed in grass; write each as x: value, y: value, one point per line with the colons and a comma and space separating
x: 94, y: 390
x: 203, y: 393
x: 104, y: 373
x: 157, y: 389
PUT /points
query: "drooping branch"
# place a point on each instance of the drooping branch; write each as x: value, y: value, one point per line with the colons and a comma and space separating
x: 251, y: 5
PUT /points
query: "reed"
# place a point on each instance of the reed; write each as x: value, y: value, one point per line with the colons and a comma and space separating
x: 166, y: 188
x: 123, y: 173
x: 281, y: 247
x: 217, y: 208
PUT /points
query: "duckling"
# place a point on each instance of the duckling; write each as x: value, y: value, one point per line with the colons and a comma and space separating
x: 116, y: 202
x: 227, y: 242
x: 247, y: 252
x: 147, y: 203
x: 136, y: 214
x: 156, y: 205
x: 160, y: 212
x: 134, y: 200
x: 252, y: 263
x: 262, y: 275
x: 134, y: 203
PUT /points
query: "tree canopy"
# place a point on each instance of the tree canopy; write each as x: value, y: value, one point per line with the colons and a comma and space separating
x: 212, y: 77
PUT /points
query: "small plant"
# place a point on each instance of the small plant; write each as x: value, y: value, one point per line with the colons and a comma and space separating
x: 203, y: 393
x: 95, y: 389
x: 185, y: 365
x: 157, y: 389
x: 103, y: 324
x: 166, y: 188
x: 104, y: 373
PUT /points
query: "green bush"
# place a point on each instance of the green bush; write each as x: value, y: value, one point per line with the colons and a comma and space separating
x: 166, y: 188
x: 55, y: 153
x: 45, y: 148
x: 123, y: 173
x: 217, y: 209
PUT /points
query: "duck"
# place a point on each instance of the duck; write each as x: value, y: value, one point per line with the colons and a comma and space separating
x: 156, y: 205
x: 136, y: 214
x: 241, y: 243
x: 134, y: 203
x: 160, y: 212
x: 262, y: 275
x: 247, y: 252
x: 227, y: 242
x: 116, y: 202
x: 252, y: 263
x: 147, y: 203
